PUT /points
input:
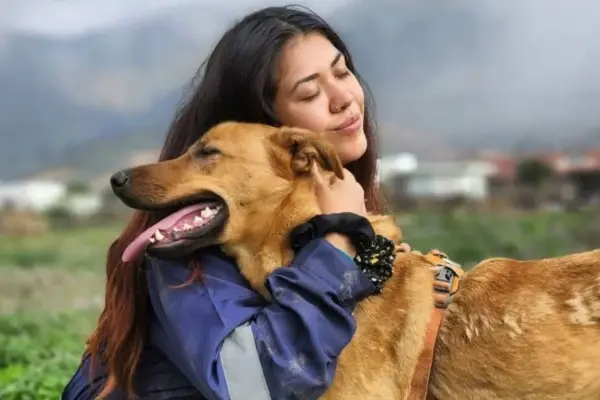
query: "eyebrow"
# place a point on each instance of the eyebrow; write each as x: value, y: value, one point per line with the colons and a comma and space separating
x: 314, y: 76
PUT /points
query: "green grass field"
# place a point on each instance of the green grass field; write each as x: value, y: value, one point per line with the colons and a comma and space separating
x: 52, y: 287
x: 51, y: 292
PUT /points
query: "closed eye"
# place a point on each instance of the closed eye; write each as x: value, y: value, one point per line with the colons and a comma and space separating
x: 207, y: 151
x: 343, y: 75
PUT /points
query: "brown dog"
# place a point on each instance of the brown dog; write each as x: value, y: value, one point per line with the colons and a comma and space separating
x: 515, y: 330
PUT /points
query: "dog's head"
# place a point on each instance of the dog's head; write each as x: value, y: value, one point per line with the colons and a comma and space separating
x: 230, y: 184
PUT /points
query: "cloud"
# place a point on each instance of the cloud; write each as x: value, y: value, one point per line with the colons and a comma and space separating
x: 68, y: 18
x: 534, y: 69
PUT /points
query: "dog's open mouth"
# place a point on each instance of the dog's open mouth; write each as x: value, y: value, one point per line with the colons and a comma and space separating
x: 199, y: 222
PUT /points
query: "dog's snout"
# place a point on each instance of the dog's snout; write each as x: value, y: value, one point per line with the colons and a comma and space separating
x: 119, y: 179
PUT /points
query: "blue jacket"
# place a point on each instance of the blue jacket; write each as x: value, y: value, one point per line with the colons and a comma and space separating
x: 224, y: 340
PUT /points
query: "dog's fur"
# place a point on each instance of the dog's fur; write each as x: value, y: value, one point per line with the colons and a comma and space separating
x: 515, y: 330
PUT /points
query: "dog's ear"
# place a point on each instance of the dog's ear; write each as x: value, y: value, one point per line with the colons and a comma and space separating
x: 307, y: 147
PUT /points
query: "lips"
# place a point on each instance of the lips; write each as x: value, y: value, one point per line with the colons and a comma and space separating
x: 348, y: 123
x: 350, y: 127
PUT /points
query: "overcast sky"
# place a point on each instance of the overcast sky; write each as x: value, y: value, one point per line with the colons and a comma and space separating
x: 73, y: 17
x: 540, y: 63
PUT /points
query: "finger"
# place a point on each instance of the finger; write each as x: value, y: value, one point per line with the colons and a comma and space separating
x: 349, y: 176
x: 404, y: 247
x: 334, y: 180
x: 345, y: 173
x: 316, y: 173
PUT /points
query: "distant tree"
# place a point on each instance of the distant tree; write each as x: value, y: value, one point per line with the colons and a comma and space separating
x: 534, y: 173
x: 78, y: 187
x: 534, y: 177
x: 60, y: 216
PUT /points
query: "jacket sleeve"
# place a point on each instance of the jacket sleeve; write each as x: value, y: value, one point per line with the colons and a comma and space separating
x: 80, y: 387
x: 155, y: 378
x: 234, y: 345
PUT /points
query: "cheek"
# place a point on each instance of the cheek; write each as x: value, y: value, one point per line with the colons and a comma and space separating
x: 313, y: 116
x: 359, y: 94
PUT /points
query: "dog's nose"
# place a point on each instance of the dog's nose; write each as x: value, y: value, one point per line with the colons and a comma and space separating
x: 119, y: 179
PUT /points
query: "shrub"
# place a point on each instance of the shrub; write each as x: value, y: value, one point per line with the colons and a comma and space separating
x: 38, y: 353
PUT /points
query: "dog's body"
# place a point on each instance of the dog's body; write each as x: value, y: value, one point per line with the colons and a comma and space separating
x: 522, y: 330
x: 515, y: 330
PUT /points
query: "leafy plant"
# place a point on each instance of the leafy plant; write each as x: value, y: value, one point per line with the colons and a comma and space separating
x: 39, y: 353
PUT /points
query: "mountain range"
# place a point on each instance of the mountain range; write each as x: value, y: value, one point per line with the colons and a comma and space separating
x: 447, y: 77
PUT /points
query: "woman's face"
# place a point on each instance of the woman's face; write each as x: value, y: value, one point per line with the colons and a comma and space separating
x: 316, y: 91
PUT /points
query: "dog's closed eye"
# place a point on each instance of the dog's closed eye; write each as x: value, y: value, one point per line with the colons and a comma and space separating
x: 207, y: 152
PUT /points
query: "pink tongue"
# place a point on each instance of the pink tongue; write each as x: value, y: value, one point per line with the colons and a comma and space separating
x: 139, y: 244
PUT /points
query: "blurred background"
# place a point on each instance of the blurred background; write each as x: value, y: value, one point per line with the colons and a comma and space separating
x: 488, y: 114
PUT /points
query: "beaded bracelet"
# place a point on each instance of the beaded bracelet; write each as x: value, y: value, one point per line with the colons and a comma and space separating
x: 377, y: 261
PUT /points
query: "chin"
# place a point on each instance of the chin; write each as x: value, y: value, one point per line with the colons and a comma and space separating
x: 353, y: 151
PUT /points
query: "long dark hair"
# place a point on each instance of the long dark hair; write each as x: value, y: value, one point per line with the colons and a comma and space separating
x: 236, y: 83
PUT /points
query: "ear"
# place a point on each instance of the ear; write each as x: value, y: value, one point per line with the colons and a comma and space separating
x: 306, y: 147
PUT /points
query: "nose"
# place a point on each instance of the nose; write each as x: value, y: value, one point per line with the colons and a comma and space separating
x: 119, y: 179
x: 341, y: 102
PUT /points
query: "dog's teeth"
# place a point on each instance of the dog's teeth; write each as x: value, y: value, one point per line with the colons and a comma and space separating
x: 176, y: 229
x: 187, y: 226
x: 159, y: 236
x: 152, y: 240
x: 197, y: 220
x: 206, y: 213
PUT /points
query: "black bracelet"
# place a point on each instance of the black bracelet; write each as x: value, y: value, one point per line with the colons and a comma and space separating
x: 357, y: 228
x: 375, y: 254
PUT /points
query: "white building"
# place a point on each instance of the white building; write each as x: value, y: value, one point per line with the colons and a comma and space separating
x: 398, y: 164
x: 84, y: 204
x: 405, y: 174
x: 32, y: 195
x: 41, y: 196
x: 467, y: 179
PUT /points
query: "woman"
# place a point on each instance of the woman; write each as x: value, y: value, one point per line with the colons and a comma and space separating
x: 216, y: 338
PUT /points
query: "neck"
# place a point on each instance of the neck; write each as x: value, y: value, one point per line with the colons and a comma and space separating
x: 263, y: 250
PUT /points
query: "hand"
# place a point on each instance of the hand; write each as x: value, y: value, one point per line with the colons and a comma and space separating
x: 339, y: 195
x: 336, y: 196
x: 405, y: 248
